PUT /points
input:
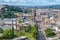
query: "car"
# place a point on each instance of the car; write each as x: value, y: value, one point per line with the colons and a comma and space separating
x: 21, y: 38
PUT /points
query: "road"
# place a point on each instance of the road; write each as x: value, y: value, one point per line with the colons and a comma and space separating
x: 40, y: 32
x: 41, y: 35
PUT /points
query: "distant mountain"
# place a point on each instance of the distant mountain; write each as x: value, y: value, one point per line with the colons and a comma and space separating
x: 42, y: 7
x: 52, y: 6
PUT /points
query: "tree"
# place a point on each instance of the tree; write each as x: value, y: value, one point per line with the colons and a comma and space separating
x: 21, y: 33
x: 14, y: 8
x: 34, y: 31
x: 49, y: 32
x: 1, y: 30
x: 28, y: 28
x: 8, y: 34
x: 8, y: 14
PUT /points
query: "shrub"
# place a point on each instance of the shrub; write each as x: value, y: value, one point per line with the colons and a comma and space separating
x: 8, y: 34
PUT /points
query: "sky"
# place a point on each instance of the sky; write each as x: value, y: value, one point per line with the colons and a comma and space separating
x: 31, y: 2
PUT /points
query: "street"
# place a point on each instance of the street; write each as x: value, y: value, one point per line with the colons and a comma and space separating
x: 41, y: 35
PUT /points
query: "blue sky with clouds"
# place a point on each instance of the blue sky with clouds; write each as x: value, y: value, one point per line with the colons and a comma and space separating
x: 31, y: 2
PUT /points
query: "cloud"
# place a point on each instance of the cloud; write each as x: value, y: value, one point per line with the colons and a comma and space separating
x: 31, y: 2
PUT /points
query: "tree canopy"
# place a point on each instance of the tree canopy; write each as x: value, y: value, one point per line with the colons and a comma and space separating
x: 49, y: 32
